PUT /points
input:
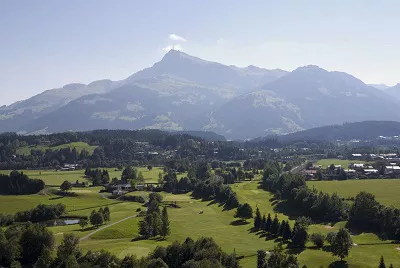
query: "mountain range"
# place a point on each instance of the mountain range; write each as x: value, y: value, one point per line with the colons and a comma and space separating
x: 182, y: 92
x: 365, y: 130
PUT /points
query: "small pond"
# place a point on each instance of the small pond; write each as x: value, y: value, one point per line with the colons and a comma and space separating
x: 62, y: 222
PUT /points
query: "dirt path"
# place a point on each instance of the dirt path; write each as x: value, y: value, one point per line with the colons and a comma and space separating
x: 104, y: 227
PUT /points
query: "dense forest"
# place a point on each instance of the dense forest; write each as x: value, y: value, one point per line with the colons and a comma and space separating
x: 118, y: 148
x: 112, y: 148
x: 17, y: 183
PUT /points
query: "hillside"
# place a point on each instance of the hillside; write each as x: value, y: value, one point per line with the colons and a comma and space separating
x: 393, y: 91
x: 176, y: 93
x: 365, y: 130
x: 182, y: 92
x: 307, y: 97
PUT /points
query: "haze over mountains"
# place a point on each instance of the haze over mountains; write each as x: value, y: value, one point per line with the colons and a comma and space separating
x: 182, y: 92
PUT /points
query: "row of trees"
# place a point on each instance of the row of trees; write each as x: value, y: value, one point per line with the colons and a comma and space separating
x: 40, y: 213
x: 340, y: 243
x: 19, y: 184
x: 98, y: 176
x: 97, y: 218
x: 293, y: 189
x: 214, y: 188
x: 367, y: 214
x: 114, y: 148
x: 155, y: 223
x: 172, y: 185
x: 272, y: 226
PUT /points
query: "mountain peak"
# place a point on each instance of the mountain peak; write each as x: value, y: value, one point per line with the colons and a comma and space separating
x: 310, y: 68
x: 174, y: 56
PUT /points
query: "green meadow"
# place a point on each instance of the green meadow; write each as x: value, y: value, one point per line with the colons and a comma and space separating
x: 55, y: 178
x: 186, y: 221
x: 386, y: 191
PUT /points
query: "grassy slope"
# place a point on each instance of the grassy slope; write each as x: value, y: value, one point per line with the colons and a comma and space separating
x: 87, y: 198
x: 26, y: 150
x: 386, y: 191
x: 186, y: 221
x: 366, y: 254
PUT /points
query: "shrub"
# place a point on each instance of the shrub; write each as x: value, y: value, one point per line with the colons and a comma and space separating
x: 318, y: 239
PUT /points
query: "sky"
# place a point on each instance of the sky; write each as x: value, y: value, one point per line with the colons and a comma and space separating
x: 46, y: 44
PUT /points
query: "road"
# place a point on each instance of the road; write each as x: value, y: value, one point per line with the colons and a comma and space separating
x: 104, y: 227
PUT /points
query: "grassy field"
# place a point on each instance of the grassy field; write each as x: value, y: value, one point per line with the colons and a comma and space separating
x: 52, y: 177
x: 88, y: 198
x: 216, y: 222
x: 386, y: 191
x: 55, y: 178
x: 345, y: 163
x: 26, y: 150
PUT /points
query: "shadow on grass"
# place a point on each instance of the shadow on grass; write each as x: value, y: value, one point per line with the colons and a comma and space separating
x: 140, y: 238
x: 293, y: 249
x: 86, y: 229
x: 80, y: 209
x: 220, y: 204
x: 239, y: 222
x: 212, y: 202
x: 56, y: 197
x: 338, y: 264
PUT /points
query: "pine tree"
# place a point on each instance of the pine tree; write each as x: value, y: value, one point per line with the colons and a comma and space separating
x: 165, y: 230
x: 257, y: 220
x: 382, y: 263
x: 157, y: 224
x: 263, y: 222
x: 268, y: 223
x: 287, y: 232
x: 275, y: 226
x: 281, y: 228
x: 146, y: 226
x: 106, y: 214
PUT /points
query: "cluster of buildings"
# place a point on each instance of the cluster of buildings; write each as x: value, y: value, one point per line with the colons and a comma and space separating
x: 123, y: 188
x: 355, y: 170
x: 69, y: 167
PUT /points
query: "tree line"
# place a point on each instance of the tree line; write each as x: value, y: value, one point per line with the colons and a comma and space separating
x: 364, y: 214
x: 292, y: 188
x: 155, y: 222
x: 367, y: 214
x: 97, y: 176
x: 17, y: 183
x: 40, y: 213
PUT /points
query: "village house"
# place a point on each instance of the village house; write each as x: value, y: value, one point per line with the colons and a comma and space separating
x: 370, y: 171
x: 392, y: 169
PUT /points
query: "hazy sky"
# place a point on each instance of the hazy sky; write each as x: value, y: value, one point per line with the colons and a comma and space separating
x: 46, y: 44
